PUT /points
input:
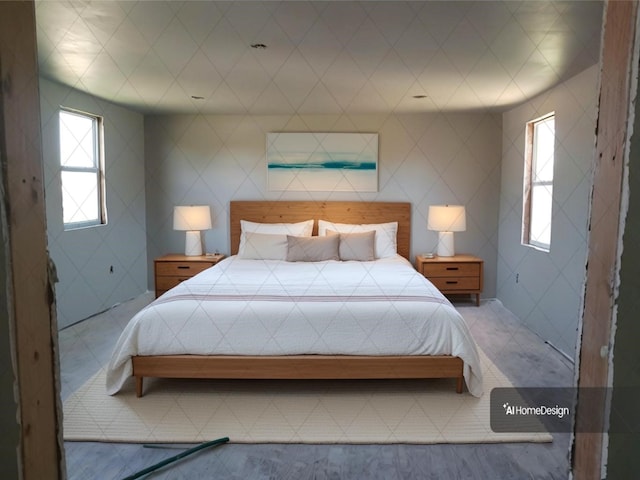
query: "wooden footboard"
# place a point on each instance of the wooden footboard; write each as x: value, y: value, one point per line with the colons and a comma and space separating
x: 297, y: 367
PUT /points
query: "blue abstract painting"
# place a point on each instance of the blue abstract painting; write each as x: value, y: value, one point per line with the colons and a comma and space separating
x: 322, y: 162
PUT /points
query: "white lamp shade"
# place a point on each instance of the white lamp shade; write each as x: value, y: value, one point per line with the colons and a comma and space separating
x: 447, y: 218
x: 192, y: 218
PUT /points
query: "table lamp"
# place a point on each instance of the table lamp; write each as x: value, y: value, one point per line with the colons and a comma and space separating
x: 192, y: 219
x: 446, y: 219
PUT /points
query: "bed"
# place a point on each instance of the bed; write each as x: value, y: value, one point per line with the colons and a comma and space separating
x: 251, y: 318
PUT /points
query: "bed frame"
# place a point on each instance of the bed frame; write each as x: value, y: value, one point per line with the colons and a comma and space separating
x: 306, y: 366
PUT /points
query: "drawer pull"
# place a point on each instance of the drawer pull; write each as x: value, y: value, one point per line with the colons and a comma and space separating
x: 452, y: 268
x: 184, y: 267
x: 452, y: 282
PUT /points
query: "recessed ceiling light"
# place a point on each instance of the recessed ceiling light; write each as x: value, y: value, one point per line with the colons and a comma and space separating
x: 419, y: 96
x: 196, y: 97
x: 259, y: 46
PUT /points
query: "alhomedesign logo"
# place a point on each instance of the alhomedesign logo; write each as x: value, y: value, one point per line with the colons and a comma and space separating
x: 538, y: 411
x: 532, y: 409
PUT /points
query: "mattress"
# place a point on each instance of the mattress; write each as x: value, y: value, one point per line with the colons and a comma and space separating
x: 273, y: 307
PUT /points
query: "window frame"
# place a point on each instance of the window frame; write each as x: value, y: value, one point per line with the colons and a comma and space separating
x: 97, y: 169
x: 529, y: 182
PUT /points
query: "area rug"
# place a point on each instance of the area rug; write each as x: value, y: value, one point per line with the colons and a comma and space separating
x: 288, y: 411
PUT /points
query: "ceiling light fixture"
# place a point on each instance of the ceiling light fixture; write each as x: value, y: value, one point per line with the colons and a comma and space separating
x: 259, y: 46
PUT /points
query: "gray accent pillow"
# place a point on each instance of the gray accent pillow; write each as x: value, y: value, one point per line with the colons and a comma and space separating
x: 312, y: 249
x: 356, y: 246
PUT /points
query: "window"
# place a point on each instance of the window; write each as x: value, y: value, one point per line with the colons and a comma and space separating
x: 538, y: 182
x: 82, y: 167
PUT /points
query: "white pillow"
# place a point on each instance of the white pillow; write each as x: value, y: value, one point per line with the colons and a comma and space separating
x: 263, y: 246
x: 385, y: 243
x: 300, y: 229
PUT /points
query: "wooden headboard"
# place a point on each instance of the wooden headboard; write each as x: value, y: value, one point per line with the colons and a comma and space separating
x: 338, y: 212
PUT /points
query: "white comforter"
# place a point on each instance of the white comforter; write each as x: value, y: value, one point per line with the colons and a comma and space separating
x: 257, y: 307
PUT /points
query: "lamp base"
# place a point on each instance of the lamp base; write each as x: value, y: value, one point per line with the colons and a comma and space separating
x: 446, y: 247
x: 193, y: 244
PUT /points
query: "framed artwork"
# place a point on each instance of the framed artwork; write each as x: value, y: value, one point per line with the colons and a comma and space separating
x: 322, y: 162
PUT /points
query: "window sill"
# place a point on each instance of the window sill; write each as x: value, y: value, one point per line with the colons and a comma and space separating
x: 72, y: 227
x: 539, y: 248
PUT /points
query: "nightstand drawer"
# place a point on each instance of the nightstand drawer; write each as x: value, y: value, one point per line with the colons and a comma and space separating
x: 188, y: 269
x: 459, y: 283
x: 165, y: 283
x: 451, y: 270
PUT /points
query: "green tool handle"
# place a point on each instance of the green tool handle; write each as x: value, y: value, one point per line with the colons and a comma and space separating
x: 177, y: 457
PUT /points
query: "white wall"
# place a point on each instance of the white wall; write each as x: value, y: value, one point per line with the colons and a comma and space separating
x: 543, y: 289
x: 423, y: 159
x: 84, y: 257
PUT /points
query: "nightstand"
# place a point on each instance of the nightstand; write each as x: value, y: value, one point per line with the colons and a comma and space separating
x: 453, y: 275
x: 174, y: 268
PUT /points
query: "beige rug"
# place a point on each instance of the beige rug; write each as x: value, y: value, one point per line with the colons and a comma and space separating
x: 388, y: 411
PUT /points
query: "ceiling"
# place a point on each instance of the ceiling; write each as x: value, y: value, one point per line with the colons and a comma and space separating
x: 320, y: 57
